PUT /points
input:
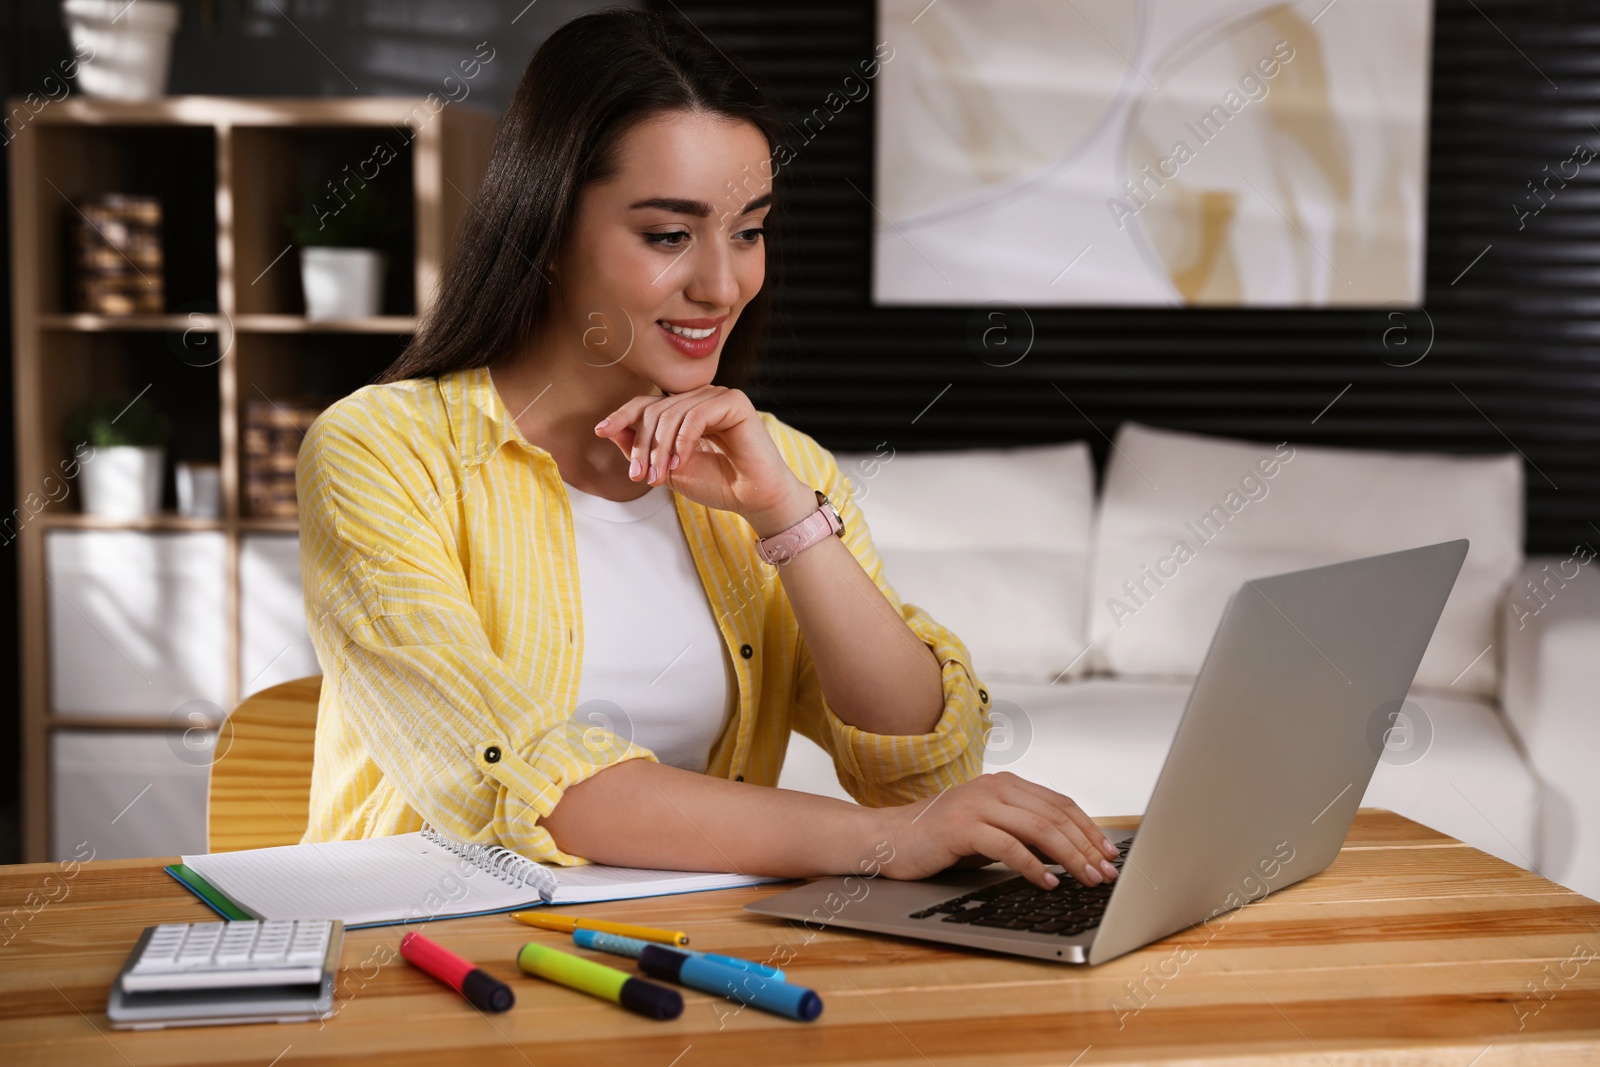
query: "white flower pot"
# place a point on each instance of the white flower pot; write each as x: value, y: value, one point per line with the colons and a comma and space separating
x: 125, y: 49
x: 341, y: 283
x: 199, y: 490
x: 122, y: 481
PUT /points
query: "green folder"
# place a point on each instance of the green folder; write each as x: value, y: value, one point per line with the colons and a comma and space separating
x: 207, y: 892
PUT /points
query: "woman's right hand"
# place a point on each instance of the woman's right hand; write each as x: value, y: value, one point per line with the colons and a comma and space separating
x: 997, y: 817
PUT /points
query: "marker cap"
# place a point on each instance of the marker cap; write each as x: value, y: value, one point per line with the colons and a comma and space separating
x: 485, y: 991
x: 647, y: 998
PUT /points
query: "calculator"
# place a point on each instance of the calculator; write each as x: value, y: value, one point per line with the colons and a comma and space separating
x: 197, y: 974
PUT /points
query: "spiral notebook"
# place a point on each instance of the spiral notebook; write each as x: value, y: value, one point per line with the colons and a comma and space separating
x: 415, y: 877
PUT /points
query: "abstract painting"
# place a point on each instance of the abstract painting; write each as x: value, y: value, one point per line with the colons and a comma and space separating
x: 1151, y: 152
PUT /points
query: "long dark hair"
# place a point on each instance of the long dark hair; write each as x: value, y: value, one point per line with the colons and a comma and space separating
x: 589, y: 83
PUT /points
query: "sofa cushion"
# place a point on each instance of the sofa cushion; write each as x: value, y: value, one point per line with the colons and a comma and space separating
x: 1102, y: 742
x: 1185, y: 518
x: 1550, y: 699
x: 994, y: 543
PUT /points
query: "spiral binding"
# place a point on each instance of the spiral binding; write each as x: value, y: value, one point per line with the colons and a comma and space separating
x: 501, y: 862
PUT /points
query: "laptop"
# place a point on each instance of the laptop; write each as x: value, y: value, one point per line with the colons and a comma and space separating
x: 1288, y: 716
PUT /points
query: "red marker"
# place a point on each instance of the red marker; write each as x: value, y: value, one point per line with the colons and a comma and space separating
x: 482, y: 989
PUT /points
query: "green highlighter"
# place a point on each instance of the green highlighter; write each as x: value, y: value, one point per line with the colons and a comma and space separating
x: 596, y: 979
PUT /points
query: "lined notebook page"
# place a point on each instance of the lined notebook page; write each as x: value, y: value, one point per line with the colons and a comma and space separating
x: 378, y: 879
x: 407, y: 878
x: 595, y: 881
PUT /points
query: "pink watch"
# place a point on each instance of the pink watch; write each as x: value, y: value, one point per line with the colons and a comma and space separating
x: 815, y: 527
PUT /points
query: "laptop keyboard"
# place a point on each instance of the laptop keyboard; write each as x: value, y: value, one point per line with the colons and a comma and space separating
x: 1017, y: 904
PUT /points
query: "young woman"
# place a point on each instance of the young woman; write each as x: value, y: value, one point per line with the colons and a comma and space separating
x: 531, y: 553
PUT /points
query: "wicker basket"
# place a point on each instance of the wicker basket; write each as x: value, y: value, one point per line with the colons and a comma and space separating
x: 273, y: 430
x: 117, y: 255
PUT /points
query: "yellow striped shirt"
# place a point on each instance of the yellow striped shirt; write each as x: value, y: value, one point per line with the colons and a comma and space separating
x: 441, y: 582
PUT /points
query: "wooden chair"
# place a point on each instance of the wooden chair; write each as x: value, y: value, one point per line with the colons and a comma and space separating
x: 260, y: 792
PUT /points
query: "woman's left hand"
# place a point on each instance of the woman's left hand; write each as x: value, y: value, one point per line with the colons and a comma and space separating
x: 726, y: 458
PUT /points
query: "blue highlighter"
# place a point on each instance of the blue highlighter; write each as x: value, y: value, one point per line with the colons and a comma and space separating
x: 632, y: 946
x: 697, y: 972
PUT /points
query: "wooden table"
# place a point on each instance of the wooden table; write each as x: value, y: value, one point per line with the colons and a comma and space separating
x: 1412, y: 948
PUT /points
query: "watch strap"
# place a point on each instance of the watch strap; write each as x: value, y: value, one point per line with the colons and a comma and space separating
x: 817, y: 526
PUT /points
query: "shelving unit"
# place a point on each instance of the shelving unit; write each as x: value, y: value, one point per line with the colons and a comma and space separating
x: 227, y: 170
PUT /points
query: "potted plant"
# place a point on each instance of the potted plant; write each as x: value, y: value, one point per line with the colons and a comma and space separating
x: 342, y: 236
x: 124, y: 49
x: 121, y: 479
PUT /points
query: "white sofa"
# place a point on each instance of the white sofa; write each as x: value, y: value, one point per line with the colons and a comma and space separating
x: 1087, y: 622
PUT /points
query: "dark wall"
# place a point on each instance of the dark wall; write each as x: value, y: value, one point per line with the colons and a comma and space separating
x: 361, y: 47
x: 1513, y: 362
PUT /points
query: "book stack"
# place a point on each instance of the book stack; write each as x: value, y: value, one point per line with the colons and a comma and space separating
x: 273, y: 430
x: 117, y: 255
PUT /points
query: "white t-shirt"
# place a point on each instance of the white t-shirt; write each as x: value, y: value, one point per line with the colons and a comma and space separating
x: 654, y: 663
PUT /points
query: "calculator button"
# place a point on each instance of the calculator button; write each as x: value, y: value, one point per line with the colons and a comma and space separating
x: 199, y: 945
x: 236, y: 947
x: 310, y: 943
x: 162, y: 948
x: 156, y: 965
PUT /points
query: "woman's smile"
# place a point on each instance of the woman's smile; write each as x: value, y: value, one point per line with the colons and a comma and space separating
x: 695, y: 338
